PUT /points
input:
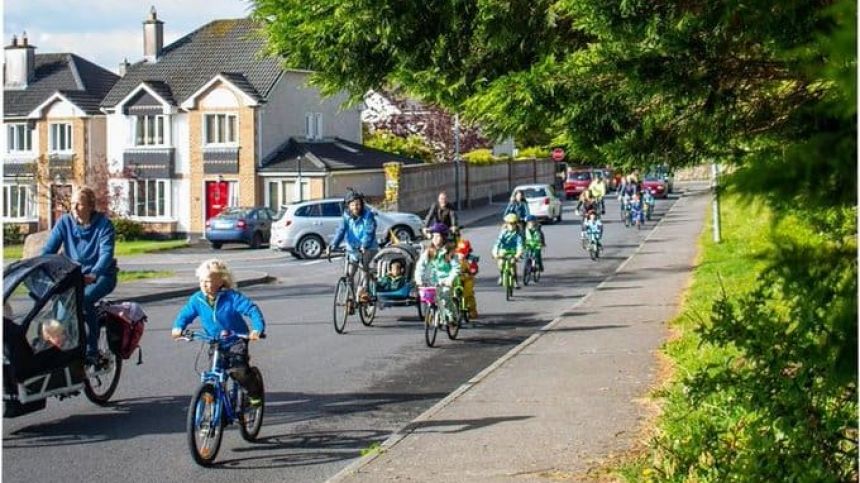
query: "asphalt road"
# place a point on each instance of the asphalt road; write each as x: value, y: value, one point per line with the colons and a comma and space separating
x: 329, y: 396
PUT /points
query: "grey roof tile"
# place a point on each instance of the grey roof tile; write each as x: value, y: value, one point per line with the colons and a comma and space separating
x: 333, y: 154
x: 230, y: 47
x: 53, y: 73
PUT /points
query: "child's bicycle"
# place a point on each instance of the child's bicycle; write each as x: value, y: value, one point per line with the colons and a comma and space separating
x: 636, y: 217
x: 531, y: 271
x: 508, y: 279
x: 219, y: 401
x: 594, y: 244
x: 438, y: 314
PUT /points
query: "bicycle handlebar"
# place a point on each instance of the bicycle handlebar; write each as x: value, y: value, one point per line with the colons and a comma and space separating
x: 192, y: 335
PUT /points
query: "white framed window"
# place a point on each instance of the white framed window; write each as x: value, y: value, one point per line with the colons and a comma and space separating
x: 150, y: 130
x: 149, y: 198
x: 313, y: 125
x: 60, y: 137
x: 220, y: 129
x: 18, y: 201
x: 19, y: 138
x: 282, y: 192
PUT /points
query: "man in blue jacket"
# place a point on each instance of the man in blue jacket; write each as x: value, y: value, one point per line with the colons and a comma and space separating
x: 87, y: 237
x: 358, y: 230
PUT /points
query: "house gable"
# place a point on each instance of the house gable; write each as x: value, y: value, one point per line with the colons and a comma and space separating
x: 57, y: 106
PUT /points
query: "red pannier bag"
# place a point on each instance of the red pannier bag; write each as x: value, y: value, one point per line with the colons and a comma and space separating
x: 125, y: 323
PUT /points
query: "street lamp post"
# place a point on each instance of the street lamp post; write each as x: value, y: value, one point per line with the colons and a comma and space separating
x: 299, y: 161
x: 457, y: 161
x: 715, y: 173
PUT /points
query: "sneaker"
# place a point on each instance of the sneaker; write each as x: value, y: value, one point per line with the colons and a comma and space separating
x: 255, y: 402
x: 500, y: 281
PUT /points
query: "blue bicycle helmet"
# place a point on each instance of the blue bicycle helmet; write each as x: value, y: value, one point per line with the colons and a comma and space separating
x: 530, y: 218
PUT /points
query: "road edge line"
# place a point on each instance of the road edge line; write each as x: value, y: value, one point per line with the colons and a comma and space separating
x: 410, y: 427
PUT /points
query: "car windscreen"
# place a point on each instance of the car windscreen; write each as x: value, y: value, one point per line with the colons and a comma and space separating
x: 581, y: 176
x: 534, y: 193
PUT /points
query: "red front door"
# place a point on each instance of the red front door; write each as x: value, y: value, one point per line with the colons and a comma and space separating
x: 216, y: 197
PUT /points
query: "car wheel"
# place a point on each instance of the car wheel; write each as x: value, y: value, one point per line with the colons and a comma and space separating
x: 256, y: 240
x: 403, y: 233
x: 558, y: 218
x: 216, y: 245
x: 310, y: 247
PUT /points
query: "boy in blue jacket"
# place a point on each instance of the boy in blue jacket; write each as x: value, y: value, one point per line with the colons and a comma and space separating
x: 220, y: 308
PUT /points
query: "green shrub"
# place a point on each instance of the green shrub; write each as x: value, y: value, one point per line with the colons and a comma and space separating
x: 533, y: 152
x: 412, y: 146
x: 12, y: 234
x: 765, y: 387
x: 479, y: 156
x: 127, y: 230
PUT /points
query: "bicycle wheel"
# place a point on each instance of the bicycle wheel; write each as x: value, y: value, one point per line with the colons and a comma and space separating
x: 343, y: 298
x: 251, y: 418
x: 592, y: 250
x: 205, y: 425
x: 527, y: 270
x: 367, y: 310
x: 509, y: 283
x: 536, y: 272
x: 101, y: 380
x: 453, y: 325
x: 431, y: 326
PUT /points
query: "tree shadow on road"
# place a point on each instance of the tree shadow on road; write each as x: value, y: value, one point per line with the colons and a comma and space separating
x: 459, y: 425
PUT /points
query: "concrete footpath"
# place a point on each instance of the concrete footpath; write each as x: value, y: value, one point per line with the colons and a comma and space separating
x: 567, y: 397
x: 183, y: 284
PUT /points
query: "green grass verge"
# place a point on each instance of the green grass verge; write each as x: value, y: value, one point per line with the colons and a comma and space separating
x: 129, y: 276
x: 136, y: 247
x: 731, y: 266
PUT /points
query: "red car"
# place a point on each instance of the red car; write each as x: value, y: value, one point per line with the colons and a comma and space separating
x: 577, y: 181
x: 657, y: 185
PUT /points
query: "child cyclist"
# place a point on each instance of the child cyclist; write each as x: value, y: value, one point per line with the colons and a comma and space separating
x: 438, y: 265
x: 221, y: 308
x: 509, y: 244
x: 468, y: 272
x: 594, y: 227
x: 535, y: 240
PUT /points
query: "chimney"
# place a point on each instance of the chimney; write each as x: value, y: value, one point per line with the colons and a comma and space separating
x: 153, y: 36
x: 20, y: 63
x: 123, y: 67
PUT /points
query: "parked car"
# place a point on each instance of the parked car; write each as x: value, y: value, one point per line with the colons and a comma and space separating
x: 251, y: 225
x: 577, y: 182
x: 306, y: 228
x: 658, y: 186
x: 542, y: 200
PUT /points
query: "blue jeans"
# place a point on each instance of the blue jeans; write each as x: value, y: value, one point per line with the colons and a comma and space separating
x: 94, y: 292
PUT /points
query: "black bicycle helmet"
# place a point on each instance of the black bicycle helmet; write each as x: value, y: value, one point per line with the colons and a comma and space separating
x: 352, y: 196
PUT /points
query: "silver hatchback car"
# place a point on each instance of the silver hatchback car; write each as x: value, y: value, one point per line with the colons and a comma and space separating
x: 306, y: 228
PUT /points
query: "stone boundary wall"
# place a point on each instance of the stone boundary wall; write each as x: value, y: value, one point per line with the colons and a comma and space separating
x: 415, y: 187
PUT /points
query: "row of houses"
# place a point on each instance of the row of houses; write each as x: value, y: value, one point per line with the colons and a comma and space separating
x: 192, y: 127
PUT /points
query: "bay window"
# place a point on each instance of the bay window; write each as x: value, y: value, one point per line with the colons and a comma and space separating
x: 149, y: 198
x: 18, y: 201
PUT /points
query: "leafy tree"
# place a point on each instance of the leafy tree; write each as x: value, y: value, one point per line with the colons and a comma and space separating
x: 768, y: 87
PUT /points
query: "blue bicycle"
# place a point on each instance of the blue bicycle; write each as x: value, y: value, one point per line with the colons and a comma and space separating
x: 219, y: 400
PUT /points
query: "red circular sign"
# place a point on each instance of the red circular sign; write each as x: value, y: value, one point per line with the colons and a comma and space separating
x: 557, y: 154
